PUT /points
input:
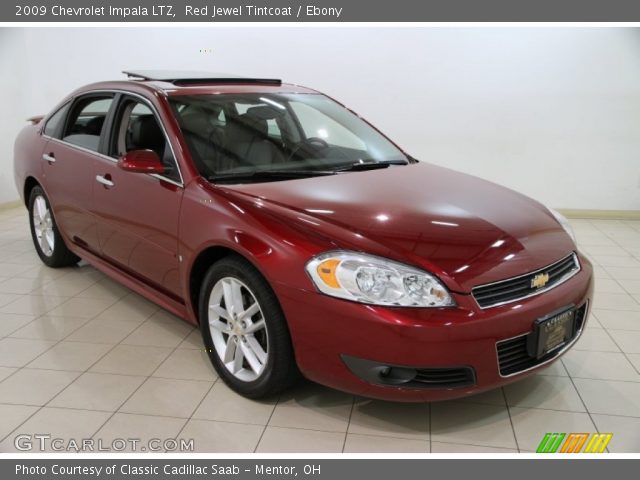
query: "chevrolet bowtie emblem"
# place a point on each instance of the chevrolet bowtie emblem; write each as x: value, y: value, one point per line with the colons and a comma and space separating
x: 539, y: 280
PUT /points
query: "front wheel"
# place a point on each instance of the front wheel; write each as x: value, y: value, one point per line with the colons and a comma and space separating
x: 244, y: 330
x: 46, y: 237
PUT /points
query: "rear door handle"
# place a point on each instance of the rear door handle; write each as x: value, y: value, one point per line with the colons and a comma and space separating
x: 48, y: 157
x: 106, y: 180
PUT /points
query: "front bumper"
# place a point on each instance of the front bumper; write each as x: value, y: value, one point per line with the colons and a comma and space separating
x: 327, y: 330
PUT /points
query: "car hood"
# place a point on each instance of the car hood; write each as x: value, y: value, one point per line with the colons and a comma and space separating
x: 466, y: 230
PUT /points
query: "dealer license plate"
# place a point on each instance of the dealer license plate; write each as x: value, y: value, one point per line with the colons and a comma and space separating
x: 552, y: 332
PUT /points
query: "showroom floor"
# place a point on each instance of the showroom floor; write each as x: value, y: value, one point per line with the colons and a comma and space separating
x: 82, y: 357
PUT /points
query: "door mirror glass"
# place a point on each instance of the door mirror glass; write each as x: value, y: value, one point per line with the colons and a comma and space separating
x: 141, y: 161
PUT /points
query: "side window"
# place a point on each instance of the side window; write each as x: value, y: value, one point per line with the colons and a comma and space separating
x: 85, y: 123
x: 137, y: 128
x: 52, y: 128
x: 242, y: 108
x: 317, y: 124
x: 222, y: 118
x: 273, y: 129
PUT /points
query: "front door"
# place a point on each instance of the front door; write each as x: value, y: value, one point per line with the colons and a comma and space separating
x: 138, y: 213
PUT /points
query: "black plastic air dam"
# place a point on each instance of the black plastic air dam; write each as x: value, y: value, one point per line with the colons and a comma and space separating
x: 409, y: 377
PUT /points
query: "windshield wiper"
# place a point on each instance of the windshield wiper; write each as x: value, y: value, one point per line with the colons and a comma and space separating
x: 292, y: 174
x: 267, y: 175
x: 370, y: 165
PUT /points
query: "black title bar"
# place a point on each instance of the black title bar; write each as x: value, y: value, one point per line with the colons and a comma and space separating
x: 319, y: 11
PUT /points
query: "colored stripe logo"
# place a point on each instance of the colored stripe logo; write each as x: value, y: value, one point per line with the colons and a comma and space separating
x: 574, y: 443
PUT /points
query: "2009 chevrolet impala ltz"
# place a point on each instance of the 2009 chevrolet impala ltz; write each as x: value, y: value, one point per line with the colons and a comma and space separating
x: 300, y: 239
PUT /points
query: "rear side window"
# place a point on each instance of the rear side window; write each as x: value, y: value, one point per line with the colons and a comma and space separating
x: 86, y: 122
x: 54, y: 124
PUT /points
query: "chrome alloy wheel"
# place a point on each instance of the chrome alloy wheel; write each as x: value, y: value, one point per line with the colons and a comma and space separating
x: 43, y: 225
x: 238, y: 329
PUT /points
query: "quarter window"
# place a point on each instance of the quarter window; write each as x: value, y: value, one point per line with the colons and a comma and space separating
x: 87, y: 121
x: 52, y: 128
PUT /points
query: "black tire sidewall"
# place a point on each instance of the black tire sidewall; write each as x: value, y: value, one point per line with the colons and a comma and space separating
x: 280, y: 356
x: 61, y: 255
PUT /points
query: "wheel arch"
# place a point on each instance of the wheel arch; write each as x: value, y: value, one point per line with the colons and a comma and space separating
x: 29, y: 184
x: 203, y: 261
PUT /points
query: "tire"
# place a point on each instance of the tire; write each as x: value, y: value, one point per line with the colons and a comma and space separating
x: 228, y: 335
x: 46, y: 237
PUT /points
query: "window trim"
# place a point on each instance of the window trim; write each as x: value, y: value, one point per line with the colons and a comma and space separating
x: 99, y: 154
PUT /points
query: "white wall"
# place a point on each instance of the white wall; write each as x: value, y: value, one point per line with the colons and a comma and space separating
x: 14, y: 105
x: 551, y: 112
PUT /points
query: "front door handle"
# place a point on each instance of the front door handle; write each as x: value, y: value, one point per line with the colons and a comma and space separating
x: 105, y: 180
x: 48, y: 157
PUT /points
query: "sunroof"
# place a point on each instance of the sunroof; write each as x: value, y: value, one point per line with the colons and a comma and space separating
x: 178, y: 77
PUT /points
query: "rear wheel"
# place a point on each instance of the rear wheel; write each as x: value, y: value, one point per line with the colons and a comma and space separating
x: 244, y: 330
x: 46, y: 237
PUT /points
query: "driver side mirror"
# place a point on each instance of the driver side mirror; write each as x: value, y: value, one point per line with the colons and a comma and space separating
x: 141, y: 161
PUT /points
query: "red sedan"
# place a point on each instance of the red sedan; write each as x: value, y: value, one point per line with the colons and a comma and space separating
x: 300, y: 239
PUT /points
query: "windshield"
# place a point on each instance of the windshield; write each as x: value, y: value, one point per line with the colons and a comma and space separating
x: 258, y: 134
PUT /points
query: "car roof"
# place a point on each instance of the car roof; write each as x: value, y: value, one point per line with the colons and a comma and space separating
x: 171, y: 83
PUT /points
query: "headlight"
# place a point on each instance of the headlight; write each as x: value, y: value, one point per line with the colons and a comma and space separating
x: 562, y: 220
x: 369, y: 279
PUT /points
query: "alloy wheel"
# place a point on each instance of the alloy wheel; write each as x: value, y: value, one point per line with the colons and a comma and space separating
x: 238, y: 329
x: 43, y: 225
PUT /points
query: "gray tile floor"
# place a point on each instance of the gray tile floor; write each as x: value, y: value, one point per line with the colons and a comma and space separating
x: 83, y: 357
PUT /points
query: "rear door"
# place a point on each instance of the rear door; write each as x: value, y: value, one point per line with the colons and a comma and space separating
x: 138, y: 213
x: 68, y: 166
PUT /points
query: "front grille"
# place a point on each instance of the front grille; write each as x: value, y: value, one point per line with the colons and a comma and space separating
x: 520, y: 287
x: 444, y: 377
x: 513, y: 356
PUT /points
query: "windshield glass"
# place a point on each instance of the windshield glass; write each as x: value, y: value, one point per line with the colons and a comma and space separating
x: 236, y: 134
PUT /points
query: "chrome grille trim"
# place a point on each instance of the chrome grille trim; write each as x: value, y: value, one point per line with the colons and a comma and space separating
x: 529, y: 292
